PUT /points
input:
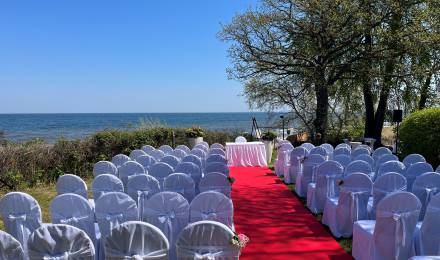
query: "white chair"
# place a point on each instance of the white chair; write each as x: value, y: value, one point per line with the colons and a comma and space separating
x: 391, y: 166
x: 343, y: 159
x: 379, y: 152
x: 342, y: 150
x: 180, y: 154
x: 308, y: 146
x: 201, y: 147
x: 217, y: 167
x: 415, y: 170
x: 206, y: 240
x: 427, y: 238
x: 215, y: 182
x: 412, y: 159
x: 193, y: 159
x: 141, y: 187
x: 240, y: 139
x: 199, y: 153
x: 364, y: 146
x: 217, y: 145
x: 343, y: 145
x: 359, y: 166
x: 105, y: 167
x: 438, y: 169
x: 136, y: 153
x: 118, y: 160
x: 106, y: 183
x: 327, y: 173
x: 69, y: 183
x: 147, y: 148
x: 171, y: 160
x: 157, y: 154
x: 425, y: 258
x: 136, y: 240
x: 182, y: 184
x: 217, y: 151
x: 216, y: 158
x: 74, y: 210
x: 425, y: 187
x: 297, y: 155
x: 183, y: 148
x: 212, y: 205
x: 192, y: 170
x: 129, y: 169
x: 281, y: 163
x: 55, y: 241
x: 358, y: 151
x: 391, y: 235
x: 10, y: 248
x: 385, y: 158
x: 146, y: 161
x: 306, y: 176
x: 318, y: 150
x: 366, y: 158
x: 329, y: 148
x: 341, y: 212
x: 383, y: 186
x: 169, y: 211
x: 21, y: 215
x: 166, y: 149
x: 160, y: 171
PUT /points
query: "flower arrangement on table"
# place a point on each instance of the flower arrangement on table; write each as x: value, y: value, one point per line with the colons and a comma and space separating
x: 268, y: 136
x: 194, y: 132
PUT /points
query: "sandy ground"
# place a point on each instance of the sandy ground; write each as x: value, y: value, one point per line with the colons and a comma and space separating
x: 388, y: 135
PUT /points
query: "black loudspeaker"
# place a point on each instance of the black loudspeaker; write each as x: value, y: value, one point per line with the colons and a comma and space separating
x: 397, y: 116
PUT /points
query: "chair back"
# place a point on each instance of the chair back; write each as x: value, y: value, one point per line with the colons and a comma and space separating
x: 385, y: 185
x: 216, y: 158
x: 217, y: 167
x: 217, y: 151
x: 379, y: 152
x: 183, y: 148
x: 136, y: 240
x: 180, y: 183
x: 308, y: 146
x: 359, y: 167
x: 385, y: 158
x: 318, y: 150
x: 193, y: 159
x: 329, y: 148
x: 415, y: 170
x: 412, y: 159
x: 240, y: 139
x: 327, y: 174
x: 129, y: 169
x: 192, y: 170
x: 199, y: 153
x: 57, y: 241
x: 147, y: 148
x: 180, y: 154
x: 106, y: 167
x: 157, y: 154
x: 10, y: 248
x: 118, y: 160
x: 343, y: 145
x: 166, y: 149
x: 343, y: 159
x: 438, y: 169
x: 425, y: 187
x: 106, y: 183
x: 146, y: 161
x: 391, y: 166
x: 141, y: 187
x: 217, y: 145
x: 310, y: 164
x: 69, y: 183
x: 136, y: 153
x: 212, y: 205
x: 215, y: 182
x: 366, y: 158
x: 342, y: 150
x: 160, y: 171
x: 201, y: 147
x: 429, y: 240
x: 358, y: 151
x: 171, y: 160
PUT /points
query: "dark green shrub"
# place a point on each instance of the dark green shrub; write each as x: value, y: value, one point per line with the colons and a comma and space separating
x: 268, y: 136
x: 194, y: 132
x: 420, y: 133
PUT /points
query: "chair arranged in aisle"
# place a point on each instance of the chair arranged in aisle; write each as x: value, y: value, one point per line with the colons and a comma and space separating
x: 193, y: 159
x: 366, y: 158
x: 425, y: 187
x: 182, y: 184
x: 391, y: 166
x: 160, y: 171
x: 212, y: 205
x: 426, y: 238
x: 141, y: 187
x: 342, y: 150
x: 119, y: 160
x: 240, y: 139
x: 106, y: 183
x: 183, y: 148
x: 379, y: 152
x: 106, y: 167
x: 10, y: 248
x: 179, y: 154
x: 157, y: 154
x: 146, y: 161
x: 215, y: 182
x: 416, y: 170
x: 217, y: 167
x: 412, y: 159
x: 358, y: 151
x: 171, y: 160
x: 136, y: 153
x: 306, y: 176
x: 217, y: 145
x: 130, y: 168
x: 216, y: 158
x: 359, y: 167
x: 297, y: 155
x: 69, y: 183
x: 168, y: 150
x: 343, y: 159
x: 147, y: 148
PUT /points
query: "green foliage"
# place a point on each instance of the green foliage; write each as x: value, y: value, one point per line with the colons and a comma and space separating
x: 420, y: 133
x: 269, y: 136
x: 194, y: 132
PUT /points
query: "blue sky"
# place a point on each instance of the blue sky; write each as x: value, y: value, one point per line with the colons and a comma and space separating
x: 116, y: 56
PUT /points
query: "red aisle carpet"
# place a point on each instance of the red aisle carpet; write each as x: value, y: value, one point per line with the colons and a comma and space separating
x: 278, y: 225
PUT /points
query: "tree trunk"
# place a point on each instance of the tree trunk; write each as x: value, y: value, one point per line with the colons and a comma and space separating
x: 367, y: 85
x: 424, y: 92
x: 321, y: 119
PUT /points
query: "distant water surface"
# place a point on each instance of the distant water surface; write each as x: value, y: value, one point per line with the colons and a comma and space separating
x: 20, y: 127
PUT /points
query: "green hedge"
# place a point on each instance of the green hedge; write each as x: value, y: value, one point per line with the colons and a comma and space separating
x: 420, y: 133
x: 25, y: 164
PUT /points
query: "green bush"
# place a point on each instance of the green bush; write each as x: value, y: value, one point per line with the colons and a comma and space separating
x: 194, y: 132
x: 269, y: 136
x: 420, y: 133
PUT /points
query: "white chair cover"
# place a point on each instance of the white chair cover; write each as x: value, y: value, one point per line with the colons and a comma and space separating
x: 425, y: 258
x: 105, y: 167
x: 307, y: 175
x: 391, y: 166
x: 118, y: 160
x: 319, y: 150
x: 416, y: 170
x: 425, y: 187
x: 217, y: 167
x: 240, y: 139
x: 391, y: 235
x: 217, y: 145
x: 201, y: 147
x: 148, y: 148
x: 169, y: 211
x: 160, y: 171
x: 438, y: 169
x: 343, y: 159
x: 60, y: 242
x: 215, y: 182
x: 359, y: 166
x: 69, y: 183
x: 10, y: 248
x: 199, y: 153
x: 427, y: 236
x: 364, y: 146
x: 379, y: 152
x: 358, y: 151
x: 297, y: 156
x: 343, y: 145
x: 327, y: 174
x: 206, y: 240
x: 351, y: 205
x: 412, y: 159
x: 136, y: 153
x: 113, y: 209
x: 21, y: 215
x: 106, y: 183
x: 166, y: 149
x: 171, y: 160
x: 74, y: 210
x: 192, y: 170
x: 183, y: 148
x: 146, y: 161
x: 182, y: 184
x: 281, y: 161
x: 216, y: 158
x: 217, y: 151
x: 384, y: 185
x: 308, y: 146
x: 385, y: 158
x: 193, y: 159
x: 129, y: 169
x: 329, y: 148
x: 136, y: 240
x: 366, y: 158
x: 180, y: 153
x: 141, y: 187
x: 157, y: 154
x: 342, y: 150
x: 212, y: 205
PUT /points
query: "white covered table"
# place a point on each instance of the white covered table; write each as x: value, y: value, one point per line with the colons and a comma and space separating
x: 246, y: 154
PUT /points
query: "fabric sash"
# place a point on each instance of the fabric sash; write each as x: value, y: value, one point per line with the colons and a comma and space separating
x: 213, y: 252
x: 139, y: 256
